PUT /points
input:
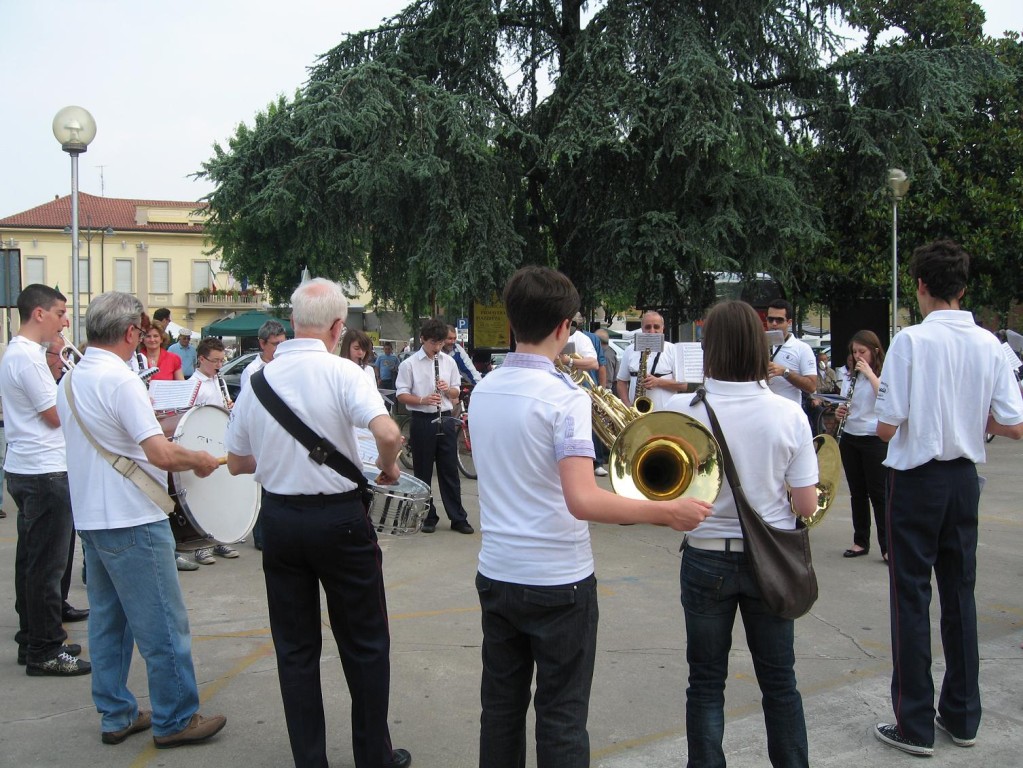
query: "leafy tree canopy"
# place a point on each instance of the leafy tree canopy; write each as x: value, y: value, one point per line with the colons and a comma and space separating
x: 637, y: 151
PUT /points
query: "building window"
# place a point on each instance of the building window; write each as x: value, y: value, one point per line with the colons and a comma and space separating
x: 160, y: 282
x: 35, y: 270
x: 84, y: 284
x: 124, y: 275
x: 202, y: 276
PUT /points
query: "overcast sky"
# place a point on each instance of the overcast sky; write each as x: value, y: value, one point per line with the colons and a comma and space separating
x: 164, y: 81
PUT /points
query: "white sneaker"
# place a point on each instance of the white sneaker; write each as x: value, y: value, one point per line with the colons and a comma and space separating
x: 185, y: 565
x: 225, y: 551
x: 599, y: 471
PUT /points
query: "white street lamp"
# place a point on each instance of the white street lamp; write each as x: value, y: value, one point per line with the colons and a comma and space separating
x: 899, y: 185
x: 75, y: 129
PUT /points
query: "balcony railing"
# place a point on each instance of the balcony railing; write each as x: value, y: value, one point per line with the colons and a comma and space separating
x: 224, y: 300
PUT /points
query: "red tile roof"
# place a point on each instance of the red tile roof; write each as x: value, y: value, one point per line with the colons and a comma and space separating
x: 99, y: 213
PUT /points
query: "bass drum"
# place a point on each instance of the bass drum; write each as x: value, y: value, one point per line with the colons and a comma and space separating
x: 220, y: 508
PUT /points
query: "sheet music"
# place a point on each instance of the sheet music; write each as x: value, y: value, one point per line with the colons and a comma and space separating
x: 569, y: 348
x: 775, y: 338
x: 689, y: 359
x: 1010, y: 356
x: 173, y: 395
x: 651, y: 342
x: 367, y: 446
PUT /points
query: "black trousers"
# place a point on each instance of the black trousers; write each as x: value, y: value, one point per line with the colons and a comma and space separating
x: 429, y: 448
x: 863, y: 461
x: 932, y: 525
x: 331, y: 544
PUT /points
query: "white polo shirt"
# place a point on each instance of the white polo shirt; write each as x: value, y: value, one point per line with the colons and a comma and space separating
x: 527, y: 417
x: 771, y: 447
x: 939, y: 381
x: 250, y: 369
x: 28, y: 389
x: 583, y: 346
x: 329, y: 393
x: 658, y: 364
x: 114, y: 404
x: 416, y: 377
x: 209, y: 392
x: 862, y: 419
x: 797, y: 356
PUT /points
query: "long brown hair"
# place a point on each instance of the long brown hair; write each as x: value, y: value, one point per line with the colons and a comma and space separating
x: 734, y: 343
x: 355, y: 336
x: 869, y: 340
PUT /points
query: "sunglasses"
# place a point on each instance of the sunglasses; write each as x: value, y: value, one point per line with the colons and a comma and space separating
x: 771, y: 320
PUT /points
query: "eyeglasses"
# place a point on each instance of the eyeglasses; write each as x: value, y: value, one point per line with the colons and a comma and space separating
x: 215, y: 361
x: 771, y: 320
x: 139, y: 329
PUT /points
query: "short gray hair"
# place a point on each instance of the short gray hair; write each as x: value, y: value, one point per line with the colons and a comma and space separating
x: 317, y: 303
x: 270, y: 328
x: 110, y: 315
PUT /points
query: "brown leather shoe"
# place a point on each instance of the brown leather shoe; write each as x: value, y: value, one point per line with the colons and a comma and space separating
x: 142, y: 723
x: 199, y: 728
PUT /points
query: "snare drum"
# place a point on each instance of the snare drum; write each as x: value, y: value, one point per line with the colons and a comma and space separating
x: 220, y: 508
x: 397, y: 510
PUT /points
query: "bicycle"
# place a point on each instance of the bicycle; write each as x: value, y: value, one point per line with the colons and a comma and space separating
x: 463, y: 440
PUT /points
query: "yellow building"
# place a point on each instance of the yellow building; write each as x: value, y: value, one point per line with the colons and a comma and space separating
x: 156, y: 250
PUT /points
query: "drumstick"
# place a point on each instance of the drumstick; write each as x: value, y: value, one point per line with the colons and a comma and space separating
x: 222, y: 461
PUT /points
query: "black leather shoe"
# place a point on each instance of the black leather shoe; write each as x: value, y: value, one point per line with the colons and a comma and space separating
x: 70, y: 613
x: 429, y: 527
x: 400, y: 758
x: 462, y: 526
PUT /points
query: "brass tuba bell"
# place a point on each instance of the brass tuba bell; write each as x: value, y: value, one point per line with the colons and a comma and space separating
x: 829, y: 468
x: 658, y: 456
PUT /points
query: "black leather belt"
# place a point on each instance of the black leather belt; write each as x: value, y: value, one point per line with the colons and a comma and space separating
x: 312, y: 500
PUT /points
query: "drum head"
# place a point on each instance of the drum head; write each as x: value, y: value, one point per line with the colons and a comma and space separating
x: 222, y: 506
x: 399, y: 509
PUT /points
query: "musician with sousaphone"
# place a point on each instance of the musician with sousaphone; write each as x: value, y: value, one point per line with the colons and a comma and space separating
x: 772, y: 450
x: 315, y: 525
x: 536, y: 582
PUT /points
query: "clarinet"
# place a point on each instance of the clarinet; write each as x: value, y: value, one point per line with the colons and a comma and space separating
x: 852, y: 388
x: 436, y: 384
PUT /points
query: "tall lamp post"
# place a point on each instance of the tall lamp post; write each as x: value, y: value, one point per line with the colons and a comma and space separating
x: 899, y: 185
x: 75, y: 129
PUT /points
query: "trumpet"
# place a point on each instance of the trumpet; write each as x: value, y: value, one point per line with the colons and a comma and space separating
x: 70, y: 355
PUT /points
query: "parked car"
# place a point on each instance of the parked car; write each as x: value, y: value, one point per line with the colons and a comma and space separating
x: 232, y: 373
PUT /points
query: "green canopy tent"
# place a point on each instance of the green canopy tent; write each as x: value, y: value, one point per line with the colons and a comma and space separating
x: 245, y: 324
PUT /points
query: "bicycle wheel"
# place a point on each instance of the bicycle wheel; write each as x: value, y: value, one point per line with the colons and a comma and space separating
x: 465, y: 463
x: 405, y: 457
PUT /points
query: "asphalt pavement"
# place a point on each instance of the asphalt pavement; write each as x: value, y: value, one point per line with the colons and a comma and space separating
x: 637, y: 706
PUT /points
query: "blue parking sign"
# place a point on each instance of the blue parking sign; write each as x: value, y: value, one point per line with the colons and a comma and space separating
x: 463, y: 324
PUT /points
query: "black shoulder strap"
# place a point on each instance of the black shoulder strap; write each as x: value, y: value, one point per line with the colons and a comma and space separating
x: 321, y: 450
x: 726, y: 456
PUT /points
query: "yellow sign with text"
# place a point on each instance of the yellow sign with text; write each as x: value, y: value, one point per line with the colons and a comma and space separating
x: 490, y: 329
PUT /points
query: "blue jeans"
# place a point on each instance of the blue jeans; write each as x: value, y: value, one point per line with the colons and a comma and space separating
x: 45, y: 528
x: 135, y: 597
x: 555, y: 630
x: 714, y: 584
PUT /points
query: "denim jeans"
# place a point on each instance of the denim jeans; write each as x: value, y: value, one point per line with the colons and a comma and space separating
x: 45, y: 528
x: 135, y: 597
x: 555, y: 630
x: 714, y: 584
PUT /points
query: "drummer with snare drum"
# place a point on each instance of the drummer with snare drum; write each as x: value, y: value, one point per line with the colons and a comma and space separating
x: 120, y: 515
x: 315, y: 527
